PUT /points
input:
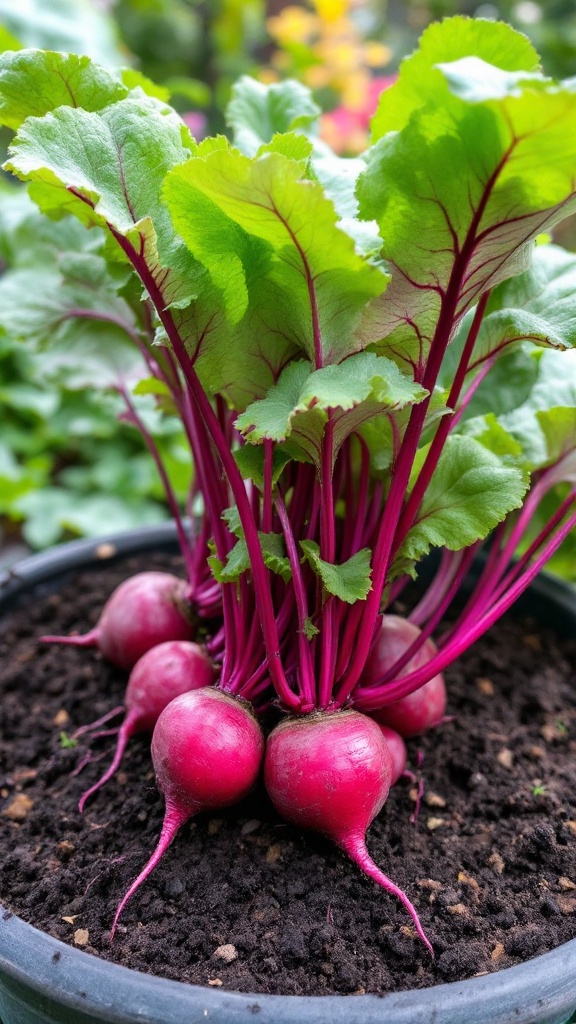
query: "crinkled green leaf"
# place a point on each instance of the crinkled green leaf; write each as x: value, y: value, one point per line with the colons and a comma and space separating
x: 259, y: 221
x: 310, y: 630
x: 293, y: 146
x: 106, y: 168
x: 354, y: 391
x: 258, y: 112
x: 238, y: 561
x: 464, y: 181
x: 443, y: 42
x: 472, y: 490
x: 350, y: 581
x: 34, y: 82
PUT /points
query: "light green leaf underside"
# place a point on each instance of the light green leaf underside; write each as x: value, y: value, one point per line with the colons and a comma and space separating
x: 78, y: 352
x: 538, y: 306
x: 350, y: 581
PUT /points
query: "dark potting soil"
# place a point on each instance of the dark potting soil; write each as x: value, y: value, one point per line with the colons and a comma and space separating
x: 244, y: 901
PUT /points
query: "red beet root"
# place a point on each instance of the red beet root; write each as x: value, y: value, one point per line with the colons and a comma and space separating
x: 332, y: 773
x: 145, y: 610
x: 397, y: 749
x: 421, y: 710
x: 207, y: 750
x: 159, y: 676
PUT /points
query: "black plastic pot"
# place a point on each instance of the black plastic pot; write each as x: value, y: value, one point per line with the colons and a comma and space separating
x: 44, y: 981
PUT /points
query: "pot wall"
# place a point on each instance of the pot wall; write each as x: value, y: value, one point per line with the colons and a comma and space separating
x: 44, y: 981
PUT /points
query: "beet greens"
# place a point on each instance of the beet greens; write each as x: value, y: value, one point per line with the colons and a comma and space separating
x: 368, y: 356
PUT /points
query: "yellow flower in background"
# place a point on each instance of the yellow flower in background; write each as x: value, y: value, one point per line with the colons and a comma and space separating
x: 293, y: 25
x: 331, y: 10
x: 376, y: 54
x: 324, y: 48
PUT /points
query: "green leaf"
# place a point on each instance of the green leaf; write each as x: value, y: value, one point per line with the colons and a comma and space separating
x: 257, y: 112
x: 468, y: 176
x: 350, y: 581
x: 541, y: 423
x: 250, y: 461
x: 195, y: 91
x: 32, y: 83
x: 78, y: 317
x: 471, y: 491
x: 107, y: 168
x: 67, y: 742
x: 489, y: 432
x: 134, y: 79
x: 450, y: 40
x: 29, y: 239
x: 259, y: 223
x: 539, y: 306
x: 54, y: 511
x: 238, y: 561
x: 151, y: 386
x: 353, y: 391
x: 310, y: 630
x: 384, y: 433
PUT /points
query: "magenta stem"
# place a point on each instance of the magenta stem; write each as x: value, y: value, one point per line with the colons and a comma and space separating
x: 306, y: 663
x: 327, y: 553
x: 369, y: 699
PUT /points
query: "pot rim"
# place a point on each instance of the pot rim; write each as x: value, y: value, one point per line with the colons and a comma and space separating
x: 539, y: 990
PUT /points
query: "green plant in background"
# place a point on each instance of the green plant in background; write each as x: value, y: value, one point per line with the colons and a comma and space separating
x: 67, y: 465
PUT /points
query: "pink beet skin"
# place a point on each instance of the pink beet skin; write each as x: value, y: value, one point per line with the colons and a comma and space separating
x: 397, y: 749
x: 332, y: 773
x: 162, y: 674
x: 145, y: 610
x: 159, y: 676
x: 207, y: 750
x: 421, y: 710
x: 329, y: 773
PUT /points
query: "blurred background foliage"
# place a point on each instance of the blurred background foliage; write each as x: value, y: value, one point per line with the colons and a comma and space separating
x: 68, y: 465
